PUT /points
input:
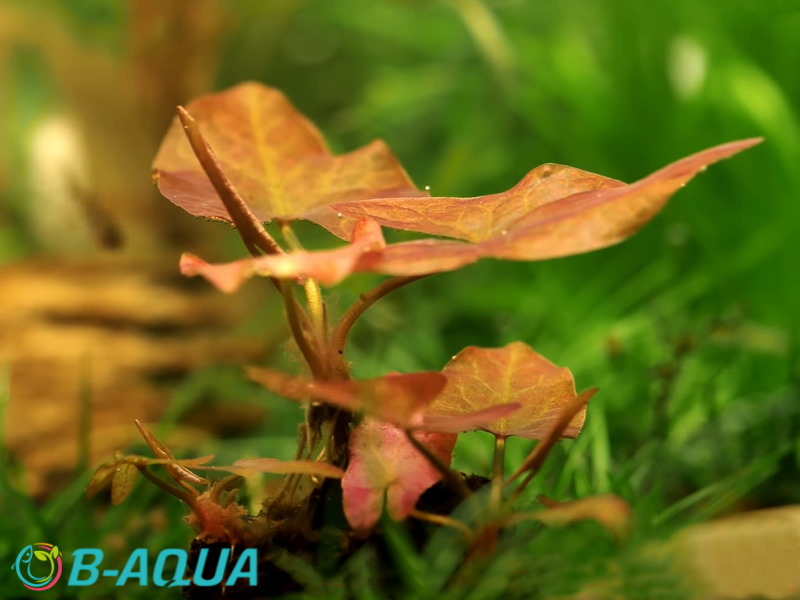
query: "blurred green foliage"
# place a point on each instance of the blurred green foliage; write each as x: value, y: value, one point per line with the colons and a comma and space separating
x: 690, y: 328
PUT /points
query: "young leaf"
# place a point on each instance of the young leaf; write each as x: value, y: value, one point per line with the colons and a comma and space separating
x: 101, y: 479
x: 122, y: 482
x: 478, y: 378
x: 396, y: 397
x: 384, y: 463
x: 275, y: 158
x: 328, y: 266
x: 41, y: 554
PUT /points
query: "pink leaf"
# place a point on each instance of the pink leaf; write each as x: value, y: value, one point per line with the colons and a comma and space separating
x: 383, y: 463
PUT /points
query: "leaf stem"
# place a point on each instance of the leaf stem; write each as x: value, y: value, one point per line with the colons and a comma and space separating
x: 351, y: 315
x: 314, y: 299
x: 443, y: 520
x: 180, y: 493
x: 249, y: 227
x: 180, y: 474
x: 497, y: 473
x: 536, y: 458
x: 448, y: 474
x: 295, y: 315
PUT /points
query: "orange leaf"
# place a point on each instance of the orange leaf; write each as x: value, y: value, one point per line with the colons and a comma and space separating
x: 478, y: 378
x: 480, y: 419
x: 273, y: 163
x: 327, y: 266
x: 275, y: 158
x: 396, y: 397
x: 384, y: 463
x: 554, y: 211
x: 482, y: 217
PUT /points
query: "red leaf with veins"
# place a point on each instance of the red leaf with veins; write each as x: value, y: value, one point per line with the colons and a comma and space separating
x: 481, y: 377
x: 383, y: 463
x: 275, y: 158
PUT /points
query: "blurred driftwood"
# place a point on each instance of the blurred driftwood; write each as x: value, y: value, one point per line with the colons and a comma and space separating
x: 119, y: 337
x: 102, y: 306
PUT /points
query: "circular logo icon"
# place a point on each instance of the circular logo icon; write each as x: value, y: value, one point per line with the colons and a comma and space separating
x: 38, y: 566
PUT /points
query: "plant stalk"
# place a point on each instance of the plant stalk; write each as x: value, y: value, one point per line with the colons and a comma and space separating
x: 250, y: 229
x: 351, y: 315
x: 295, y: 315
x: 536, y: 458
x: 443, y: 520
x: 497, y: 473
x: 447, y: 473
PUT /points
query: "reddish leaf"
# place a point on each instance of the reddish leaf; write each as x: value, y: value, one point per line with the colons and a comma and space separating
x: 478, y: 378
x: 498, y: 226
x: 554, y: 211
x: 481, y: 419
x: 328, y: 266
x: 384, y: 462
x: 397, y: 398
x: 275, y: 158
x: 483, y: 217
x: 420, y: 257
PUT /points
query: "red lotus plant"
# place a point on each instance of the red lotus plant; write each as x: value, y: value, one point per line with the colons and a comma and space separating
x: 247, y: 157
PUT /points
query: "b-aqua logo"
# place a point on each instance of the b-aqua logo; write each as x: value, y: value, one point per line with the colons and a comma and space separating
x: 30, y: 571
x: 169, y: 569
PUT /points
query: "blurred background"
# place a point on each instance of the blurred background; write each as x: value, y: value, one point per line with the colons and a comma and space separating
x: 689, y: 328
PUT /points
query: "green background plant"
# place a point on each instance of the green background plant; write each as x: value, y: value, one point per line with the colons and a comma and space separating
x: 689, y: 328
